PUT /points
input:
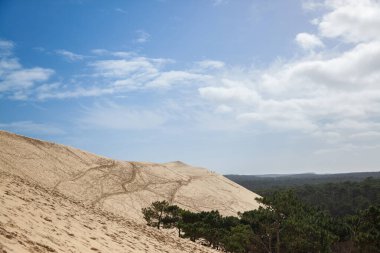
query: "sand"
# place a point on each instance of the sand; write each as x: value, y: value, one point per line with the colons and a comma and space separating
x: 33, y: 219
x: 56, y: 198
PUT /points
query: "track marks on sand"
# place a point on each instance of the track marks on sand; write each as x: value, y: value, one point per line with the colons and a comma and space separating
x: 126, y: 178
x: 34, y: 219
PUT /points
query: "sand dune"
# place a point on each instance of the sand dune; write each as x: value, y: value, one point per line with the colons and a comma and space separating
x: 50, y: 191
x: 119, y: 186
x: 33, y: 219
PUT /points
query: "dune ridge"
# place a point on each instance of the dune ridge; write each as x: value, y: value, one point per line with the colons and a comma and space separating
x: 120, y: 187
x: 35, y: 219
x: 48, y: 190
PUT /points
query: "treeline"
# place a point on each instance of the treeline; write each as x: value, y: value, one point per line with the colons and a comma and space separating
x: 282, y: 224
x: 339, y: 199
x: 258, y: 183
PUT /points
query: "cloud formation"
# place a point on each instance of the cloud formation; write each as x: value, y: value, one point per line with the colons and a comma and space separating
x: 308, y: 41
x: 109, y: 72
x: 6, y: 47
x: 210, y: 64
x: 333, y: 95
x: 16, y: 81
x: 350, y: 20
x: 69, y: 56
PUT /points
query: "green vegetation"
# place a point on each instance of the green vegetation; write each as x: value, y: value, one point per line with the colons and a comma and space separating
x: 156, y: 213
x: 339, y: 198
x: 300, y: 213
x: 366, y: 229
x: 282, y: 224
x: 260, y: 183
x: 287, y: 225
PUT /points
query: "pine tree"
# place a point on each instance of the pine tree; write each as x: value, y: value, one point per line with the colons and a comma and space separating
x: 156, y: 213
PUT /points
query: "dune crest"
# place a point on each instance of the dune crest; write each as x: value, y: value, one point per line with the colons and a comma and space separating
x: 35, y: 219
x: 55, y: 198
x: 120, y: 187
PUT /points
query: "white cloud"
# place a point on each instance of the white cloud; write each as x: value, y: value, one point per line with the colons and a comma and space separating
x: 55, y: 91
x: 308, y: 41
x: 16, y: 80
x: 170, y: 78
x: 142, y: 72
x: 229, y: 94
x: 6, y: 47
x: 119, y: 54
x: 357, y: 68
x: 8, y: 64
x: 125, y: 68
x: 332, y: 95
x: 21, y: 79
x: 115, y: 73
x: 142, y: 36
x: 210, y: 64
x: 223, y: 109
x: 69, y: 56
x: 6, y: 44
x: 353, y: 21
x: 24, y: 78
x: 120, y: 72
x: 311, y: 5
x: 123, y: 54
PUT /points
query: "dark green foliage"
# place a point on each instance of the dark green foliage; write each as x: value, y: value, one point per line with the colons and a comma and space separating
x: 190, y: 225
x: 156, y: 213
x: 238, y: 239
x: 365, y: 229
x: 308, y: 232
x: 211, y: 228
x: 283, y: 224
x: 259, y: 183
x: 262, y: 223
x: 172, y: 216
x: 339, y: 198
x: 207, y: 225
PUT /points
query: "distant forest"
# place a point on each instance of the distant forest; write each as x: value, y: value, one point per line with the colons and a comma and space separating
x: 339, y: 194
x: 337, y: 213
x: 264, y: 182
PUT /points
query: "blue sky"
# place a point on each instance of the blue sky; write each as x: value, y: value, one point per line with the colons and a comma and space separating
x: 247, y: 87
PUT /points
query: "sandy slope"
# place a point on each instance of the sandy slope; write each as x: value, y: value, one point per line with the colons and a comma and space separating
x: 55, y: 198
x: 33, y: 219
x: 118, y: 186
